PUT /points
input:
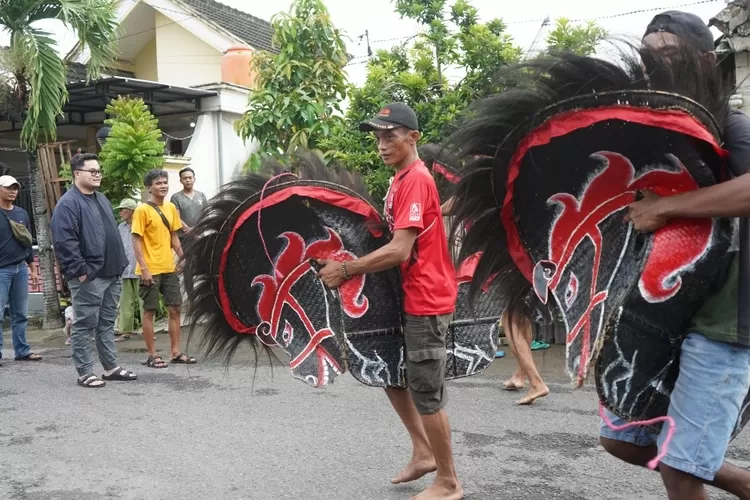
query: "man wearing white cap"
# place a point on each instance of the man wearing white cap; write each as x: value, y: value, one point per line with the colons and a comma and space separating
x: 16, y: 262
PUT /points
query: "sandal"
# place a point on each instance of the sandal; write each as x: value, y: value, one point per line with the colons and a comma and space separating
x: 120, y: 374
x: 155, y: 362
x: 30, y: 357
x: 91, y: 382
x: 184, y: 359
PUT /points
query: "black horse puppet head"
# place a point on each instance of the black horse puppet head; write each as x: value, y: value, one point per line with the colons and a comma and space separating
x: 566, y: 153
x: 251, y: 270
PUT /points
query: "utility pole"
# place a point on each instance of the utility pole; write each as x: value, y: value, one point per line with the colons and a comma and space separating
x: 545, y: 23
x: 366, y: 36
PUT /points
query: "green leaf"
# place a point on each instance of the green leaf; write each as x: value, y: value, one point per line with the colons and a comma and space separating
x: 48, y: 92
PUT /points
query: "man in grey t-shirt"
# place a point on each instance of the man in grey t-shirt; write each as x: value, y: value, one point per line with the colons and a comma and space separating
x: 189, y: 201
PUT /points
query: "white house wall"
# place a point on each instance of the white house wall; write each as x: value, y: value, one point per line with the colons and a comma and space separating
x: 204, y: 151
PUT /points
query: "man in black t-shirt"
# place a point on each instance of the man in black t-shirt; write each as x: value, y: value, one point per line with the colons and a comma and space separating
x: 16, y: 265
x: 714, y: 376
x: 92, y: 258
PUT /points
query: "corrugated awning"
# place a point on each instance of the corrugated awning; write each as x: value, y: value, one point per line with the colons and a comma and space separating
x: 88, y: 101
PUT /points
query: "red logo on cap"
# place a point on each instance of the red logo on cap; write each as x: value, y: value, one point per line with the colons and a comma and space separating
x: 385, y: 112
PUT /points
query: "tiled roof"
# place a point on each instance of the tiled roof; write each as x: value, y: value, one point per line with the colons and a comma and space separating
x: 252, y: 30
x: 734, y: 23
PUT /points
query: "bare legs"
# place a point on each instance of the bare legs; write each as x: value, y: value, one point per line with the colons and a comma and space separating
x: 148, y: 332
x: 422, y: 460
x: 431, y: 449
x: 174, y: 330
x: 518, y: 332
x: 446, y: 485
x: 680, y: 485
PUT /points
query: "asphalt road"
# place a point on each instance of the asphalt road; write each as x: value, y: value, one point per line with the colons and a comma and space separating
x: 211, y: 433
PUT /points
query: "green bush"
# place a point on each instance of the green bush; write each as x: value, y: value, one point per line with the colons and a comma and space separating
x: 132, y: 148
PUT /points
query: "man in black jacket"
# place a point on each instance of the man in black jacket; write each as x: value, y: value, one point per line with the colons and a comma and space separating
x: 91, y: 258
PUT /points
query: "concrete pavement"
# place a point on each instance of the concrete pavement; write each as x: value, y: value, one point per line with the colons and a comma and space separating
x: 206, y: 432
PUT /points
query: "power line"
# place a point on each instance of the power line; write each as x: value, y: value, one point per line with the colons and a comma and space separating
x: 543, y: 19
x: 643, y: 11
x: 160, y: 8
x: 155, y: 28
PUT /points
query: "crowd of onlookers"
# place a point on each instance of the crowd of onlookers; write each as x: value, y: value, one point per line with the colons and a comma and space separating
x: 116, y: 272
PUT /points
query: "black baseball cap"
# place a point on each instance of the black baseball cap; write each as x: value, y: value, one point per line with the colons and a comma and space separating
x: 396, y: 114
x: 684, y: 25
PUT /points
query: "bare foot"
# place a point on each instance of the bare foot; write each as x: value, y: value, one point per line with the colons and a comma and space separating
x: 533, y: 394
x: 515, y: 383
x: 414, y: 470
x: 440, y: 491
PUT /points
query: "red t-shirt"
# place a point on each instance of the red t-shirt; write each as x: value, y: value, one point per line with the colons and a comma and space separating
x: 428, y: 276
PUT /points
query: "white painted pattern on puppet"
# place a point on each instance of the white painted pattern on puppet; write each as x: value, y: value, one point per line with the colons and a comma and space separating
x: 473, y: 357
x: 371, y: 368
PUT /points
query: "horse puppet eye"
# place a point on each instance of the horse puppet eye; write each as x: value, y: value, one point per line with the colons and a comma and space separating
x: 571, y: 291
x: 288, y: 334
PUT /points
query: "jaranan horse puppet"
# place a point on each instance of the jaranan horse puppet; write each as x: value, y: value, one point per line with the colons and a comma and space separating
x: 563, y: 155
x: 251, y: 276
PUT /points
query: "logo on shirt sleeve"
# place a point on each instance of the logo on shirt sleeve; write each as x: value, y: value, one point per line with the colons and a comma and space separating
x: 415, y: 212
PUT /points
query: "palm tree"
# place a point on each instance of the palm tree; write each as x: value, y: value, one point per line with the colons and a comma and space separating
x: 38, y: 79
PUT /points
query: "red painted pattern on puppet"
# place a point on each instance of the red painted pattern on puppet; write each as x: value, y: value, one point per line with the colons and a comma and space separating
x: 675, y: 249
x: 296, y: 256
x: 292, y: 263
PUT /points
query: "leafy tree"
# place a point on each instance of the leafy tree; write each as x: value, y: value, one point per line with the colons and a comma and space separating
x: 300, y: 87
x: 453, y: 38
x: 571, y: 37
x: 131, y: 149
x: 37, y: 75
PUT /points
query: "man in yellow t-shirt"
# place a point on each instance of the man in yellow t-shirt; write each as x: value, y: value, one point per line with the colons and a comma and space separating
x: 154, y: 229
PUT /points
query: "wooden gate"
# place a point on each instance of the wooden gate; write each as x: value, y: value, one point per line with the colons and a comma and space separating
x: 51, y: 157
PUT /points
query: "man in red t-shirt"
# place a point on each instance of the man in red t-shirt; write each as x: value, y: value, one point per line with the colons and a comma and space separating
x: 420, y: 248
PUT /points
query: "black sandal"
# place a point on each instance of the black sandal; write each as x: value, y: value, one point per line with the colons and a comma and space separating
x: 30, y: 357
x: 155, y: 362
x: 90, y: 381
x: 186, y: 361
x: 120, y: 374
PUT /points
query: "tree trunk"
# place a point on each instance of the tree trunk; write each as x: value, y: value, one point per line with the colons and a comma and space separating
x: 52, y: 317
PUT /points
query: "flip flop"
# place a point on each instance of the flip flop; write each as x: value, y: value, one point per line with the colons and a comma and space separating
x: 500, y: 354
x: 537, y: 345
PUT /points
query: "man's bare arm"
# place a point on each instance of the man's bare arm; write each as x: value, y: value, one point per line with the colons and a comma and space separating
x: 176, y: 245
x: 184, y: 225
x: 728, y: 199
x: 396, y: 252
x: 447, y: 207
x: 138, y: 251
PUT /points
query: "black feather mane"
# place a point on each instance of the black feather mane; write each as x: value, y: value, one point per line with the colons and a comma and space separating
x: 493, y: 128
x: 205, y: 242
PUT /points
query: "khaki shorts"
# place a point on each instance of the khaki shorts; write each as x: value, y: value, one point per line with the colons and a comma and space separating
x: 168, y: 284
x: 424, y: 337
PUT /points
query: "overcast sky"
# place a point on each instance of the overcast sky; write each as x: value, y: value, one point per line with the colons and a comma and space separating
x: 384, y: 24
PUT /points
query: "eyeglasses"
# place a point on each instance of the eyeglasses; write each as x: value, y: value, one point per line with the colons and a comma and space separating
x: 93, y: 171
